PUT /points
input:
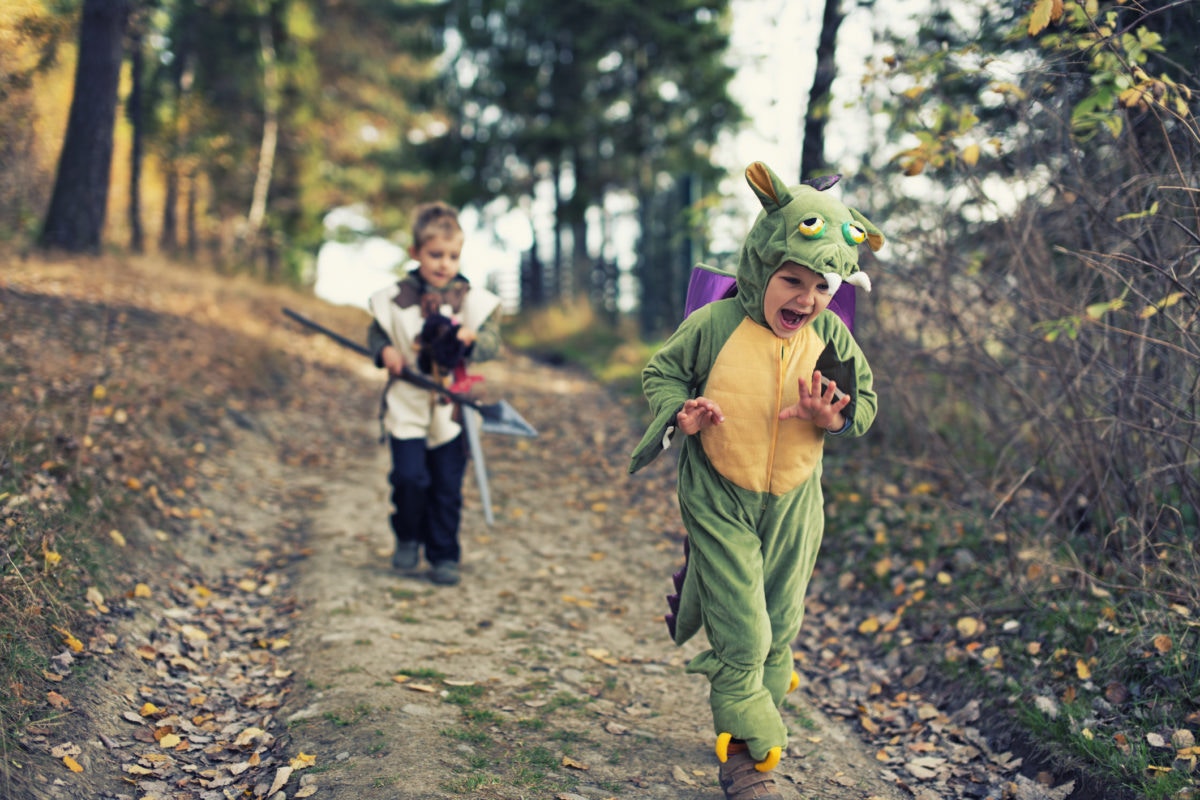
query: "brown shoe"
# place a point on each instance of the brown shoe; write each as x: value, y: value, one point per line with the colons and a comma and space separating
x: 741, y: 780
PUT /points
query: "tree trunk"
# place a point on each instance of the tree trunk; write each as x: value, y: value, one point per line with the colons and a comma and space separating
x: 193, y: 244
x: 270, y: 136
x: 812, y: 155
x: 168, y: 237
x: 558, y: 287
x: 75, y: 219
x: 133, y: 110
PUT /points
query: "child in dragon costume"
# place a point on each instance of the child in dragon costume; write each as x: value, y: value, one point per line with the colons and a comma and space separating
x: 756, y: 382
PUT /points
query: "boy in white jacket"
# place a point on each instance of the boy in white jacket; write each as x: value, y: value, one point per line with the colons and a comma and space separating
x: 433, y: 321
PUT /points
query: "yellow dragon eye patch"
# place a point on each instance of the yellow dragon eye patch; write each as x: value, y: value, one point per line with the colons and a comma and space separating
x: 811, y: 227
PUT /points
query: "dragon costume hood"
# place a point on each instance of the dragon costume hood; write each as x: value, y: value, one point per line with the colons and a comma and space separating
x: 805, y: 225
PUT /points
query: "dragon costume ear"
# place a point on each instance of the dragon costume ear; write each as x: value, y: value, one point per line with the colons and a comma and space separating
x: 772, y: 192
x: 874, y: 235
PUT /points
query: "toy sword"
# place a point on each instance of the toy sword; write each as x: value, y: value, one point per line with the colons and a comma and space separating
x: 498, y: 417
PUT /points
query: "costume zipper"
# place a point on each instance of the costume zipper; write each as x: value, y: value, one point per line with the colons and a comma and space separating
x: 775, y: 422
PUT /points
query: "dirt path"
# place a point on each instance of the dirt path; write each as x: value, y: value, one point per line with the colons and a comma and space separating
x: 273, y: 653
x: 547, y: 672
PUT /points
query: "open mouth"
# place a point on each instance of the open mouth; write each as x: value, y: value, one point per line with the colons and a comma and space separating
x: 791, y: 320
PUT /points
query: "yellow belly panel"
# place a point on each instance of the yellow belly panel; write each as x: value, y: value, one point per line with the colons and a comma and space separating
x: 754, y: 377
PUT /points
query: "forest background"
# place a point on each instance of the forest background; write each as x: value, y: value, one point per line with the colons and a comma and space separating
x: 1034, y: 317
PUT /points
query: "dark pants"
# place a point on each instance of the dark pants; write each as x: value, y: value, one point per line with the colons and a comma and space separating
x: 427, y: 495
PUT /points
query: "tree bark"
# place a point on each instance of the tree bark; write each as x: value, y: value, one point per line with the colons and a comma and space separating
x: 133, y: 110
x: 812, y: 154
x: 270, y: 136
x: 75, y: 218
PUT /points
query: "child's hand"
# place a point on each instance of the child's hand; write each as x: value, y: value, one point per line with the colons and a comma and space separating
x: 393, y: 362
x: 823, y: 408
x: 466, y: 335
x: 698, y: 414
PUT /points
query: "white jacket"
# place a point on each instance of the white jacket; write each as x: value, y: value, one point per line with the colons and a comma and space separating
x: 412, y: 412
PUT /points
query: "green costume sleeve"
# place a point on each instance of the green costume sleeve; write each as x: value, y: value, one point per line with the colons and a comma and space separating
x: 678, y: 372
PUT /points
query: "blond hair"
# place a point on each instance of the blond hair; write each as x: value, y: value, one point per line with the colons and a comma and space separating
x: 434, y: 219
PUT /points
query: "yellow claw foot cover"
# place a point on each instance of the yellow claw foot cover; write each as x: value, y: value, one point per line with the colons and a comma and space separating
x: 766, y: 765
x: 723, y: 746
x: 771, y: 761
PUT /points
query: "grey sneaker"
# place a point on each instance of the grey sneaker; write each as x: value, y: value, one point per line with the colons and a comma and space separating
x: 445, y: 573
x: 406, y: 556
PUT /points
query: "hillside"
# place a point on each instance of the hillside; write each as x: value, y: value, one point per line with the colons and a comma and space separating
x: 194, y: 505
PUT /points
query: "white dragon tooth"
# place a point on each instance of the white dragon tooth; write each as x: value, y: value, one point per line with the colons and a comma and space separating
x: 834, y: 280
x: 860, y: 279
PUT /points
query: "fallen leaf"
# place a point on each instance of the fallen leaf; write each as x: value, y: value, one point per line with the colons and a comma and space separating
x: 567, y: 761
x: 680, y: 775
x: 248, y: 736
x: 423, y: 687
x: 69, y: 640
x: 65, y: 749
x: 72, y: 764
x: 602, y: 656
x: 281, y: 778
x: 302, y: 761
x: 968, y: 627
x: 193, y: 634
x: 928, y: 711
x: 50, y: 558
x: 925, y: 767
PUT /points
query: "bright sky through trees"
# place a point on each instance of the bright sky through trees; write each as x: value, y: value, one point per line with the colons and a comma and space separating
x: 773, y: 47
